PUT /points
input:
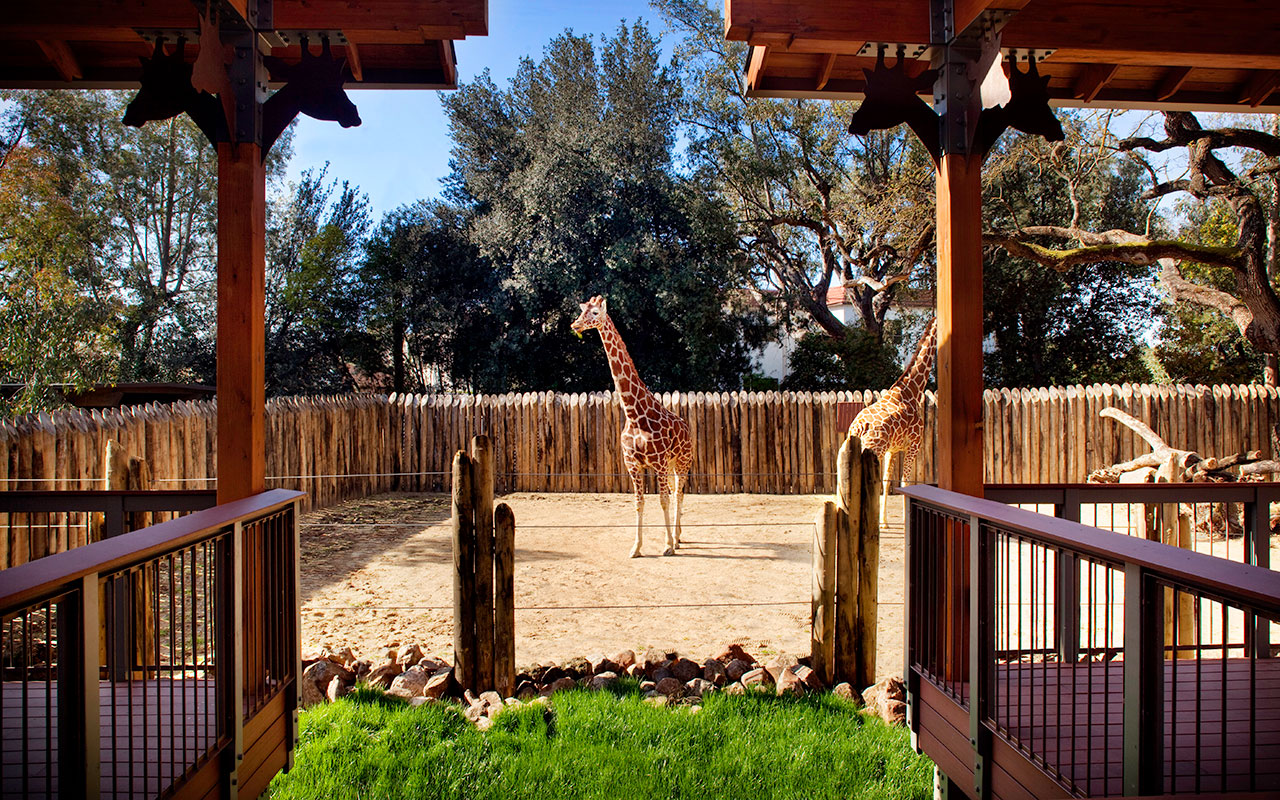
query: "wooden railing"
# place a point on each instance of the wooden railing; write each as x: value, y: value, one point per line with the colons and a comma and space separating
x: 206, y: 606
x: 1048, y: 658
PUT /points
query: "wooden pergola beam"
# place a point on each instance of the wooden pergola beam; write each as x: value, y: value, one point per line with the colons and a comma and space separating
x: 1095, y: 77
x: 60, y: 56
x: 824, y: 75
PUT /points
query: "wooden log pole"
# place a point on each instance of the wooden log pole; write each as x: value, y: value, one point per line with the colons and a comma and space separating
x: 868, y: 556
x: 849, y: 508
x: 464, y: 573
x: 504, y: 606
x: 822, y: 638
x: 482, y: 506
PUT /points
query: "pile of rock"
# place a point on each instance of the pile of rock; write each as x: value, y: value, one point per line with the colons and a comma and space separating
x: 665, y: 678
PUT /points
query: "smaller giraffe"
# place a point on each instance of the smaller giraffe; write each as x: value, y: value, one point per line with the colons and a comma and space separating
x: 895, y: 422
x: 652, y: 437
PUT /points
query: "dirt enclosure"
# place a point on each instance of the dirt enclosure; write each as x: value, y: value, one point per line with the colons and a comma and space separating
x: 377, y: 572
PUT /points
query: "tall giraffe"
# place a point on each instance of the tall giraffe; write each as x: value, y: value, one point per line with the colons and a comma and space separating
x: 652, y: 437
x: 895, y: 422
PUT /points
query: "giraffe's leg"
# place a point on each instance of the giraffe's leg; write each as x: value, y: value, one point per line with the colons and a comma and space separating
x: 884, y: 489
x: 637, y: 483
x: 664, y: 497
x: 680, y: 482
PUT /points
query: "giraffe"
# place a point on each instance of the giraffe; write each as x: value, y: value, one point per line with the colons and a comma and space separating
x: 895, y: 422
x: 652, y: 436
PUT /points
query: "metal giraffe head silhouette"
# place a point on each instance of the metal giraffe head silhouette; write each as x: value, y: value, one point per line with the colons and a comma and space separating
x: 1027, y: 110
x: 313, y: 87
x: 893, y: 97
x: 166, y: 92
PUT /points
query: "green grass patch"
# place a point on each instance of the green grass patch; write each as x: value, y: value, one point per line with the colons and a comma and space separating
x: 603, y: 745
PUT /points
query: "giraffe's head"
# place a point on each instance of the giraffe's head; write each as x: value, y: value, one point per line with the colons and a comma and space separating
x: 594, y: 312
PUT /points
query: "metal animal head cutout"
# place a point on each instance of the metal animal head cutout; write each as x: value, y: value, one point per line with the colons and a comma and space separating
x: 166, y: 92
x: 1027, y: 110
x: 892, y: 98
x: 313, y: 87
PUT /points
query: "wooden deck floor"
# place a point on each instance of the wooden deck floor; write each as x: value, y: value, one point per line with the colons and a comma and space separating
x: 152, y: 732
x: 1069, y: 719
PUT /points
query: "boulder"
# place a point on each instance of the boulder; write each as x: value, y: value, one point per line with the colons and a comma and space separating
x: 311, y: 694
x: 757, y: 678
x: 550, y: 675
x: 660, y: 673
x: 484, y: 724
x: 409, y: 654
x: 438, y: 684
x: 669, y: 687
x: 653, y: 659
x: 624, y: 659
x: 845, y: 691
x: 734, y: 652
x: 735, y: 688
x: 635, y: 671
x: 789, y: 683
x: 603, y: 680
x: 698, y: 687
x: 810, y: 678
x: 381, y: 677
x: 600, y: 664
x: 658, y: 700
x: 894, y: 712
x: 526, y: 690
x: 492, y: 701
x: 474, y: 711
x: 578, y: 668
x: 317, y: 677
x: 685, y: 670
x: 561, y: 684
x: 887, y: 700
x: 409, y: 683
x: 779, y: 664
x: 414, y: 702
x: 736, y: 668
x: 713, y: 670
x: 432, y: 663
x: 647, y: 686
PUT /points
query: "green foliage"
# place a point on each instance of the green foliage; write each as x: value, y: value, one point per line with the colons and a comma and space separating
x: 855, y: 361
x: 1079, y: 326
x: 314, y: 237
x: 604, y: 745
x: 568, y: 176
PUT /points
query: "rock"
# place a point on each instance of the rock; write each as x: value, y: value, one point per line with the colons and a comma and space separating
x: 361, y: 668
x: 473, y: 712
x: 526, y: 690
x: 735, y: 652
x: 381, y: 677
x: 671, y: 655
x: 578, y: 667
x: 660, y: 673
x: 695, y: 709
x: 491, y: 700
x: 561, y: 684
x: 789, y: 683
x: 757, y: 678
x: 697, y: 687
x: 410, y: 683
x: 311, y: 694
x: 409, y: 654
x: 550, y: 675
x: 671, y: 687
x: 736, y: 668
x: 779, y: 664
x: 414, y: 702
x: 624, y: 659
x: 484, y: 724
x: 685, y: 670
x: 601, y: 664
x: 438, y: 684
x: 389, y: 657
x: 887, y: 689
x: 432, y: 664
x: 810, y: 678
x: 894, y: 712
x: 635, y: 671
x: 603, y: 680
x: 658, y: 700
x: 317, y: 677
x: 844, y: 690
x: 647, y: 686
x: 653, y: 659
x: 336, y: 689
x: 735, y: 688
x: 713, y: 670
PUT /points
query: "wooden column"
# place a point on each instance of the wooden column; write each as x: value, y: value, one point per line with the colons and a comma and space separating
x: 960, y: 324
x: 242, y: 222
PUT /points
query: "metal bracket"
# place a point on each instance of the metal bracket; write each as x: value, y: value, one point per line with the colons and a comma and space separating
x: 169, y: 35
x: 249, y: 85
x: 1027, y: 55
x: 295, y: 37
x: 903, y: 50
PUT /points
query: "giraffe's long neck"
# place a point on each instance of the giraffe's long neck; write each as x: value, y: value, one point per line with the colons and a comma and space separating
x: 636, y: 397
x: 916, y: 377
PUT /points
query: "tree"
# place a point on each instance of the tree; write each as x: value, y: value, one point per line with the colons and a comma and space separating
x: 1081, y: 326
x: 569, y: 177
x: 1243, y: 292
x: 313, y: 328
x: 821, y: 362
x: 816, y: 207
x: 430, y: 299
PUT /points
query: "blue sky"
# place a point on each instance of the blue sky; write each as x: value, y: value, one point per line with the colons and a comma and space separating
x: 401, y: 150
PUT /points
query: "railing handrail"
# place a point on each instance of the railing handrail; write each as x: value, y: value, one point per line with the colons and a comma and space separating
x: 1254, y: 585
x: 1149, y: 492
x: 43, y: 576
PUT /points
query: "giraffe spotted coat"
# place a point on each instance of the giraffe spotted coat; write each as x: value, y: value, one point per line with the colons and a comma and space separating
x: 653, y: 437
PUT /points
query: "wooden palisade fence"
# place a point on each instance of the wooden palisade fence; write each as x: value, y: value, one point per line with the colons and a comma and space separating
x: 846, y: 571
x: 483, y: 576
x: 338, y: 448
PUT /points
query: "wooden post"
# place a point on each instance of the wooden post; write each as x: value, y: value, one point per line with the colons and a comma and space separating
x: 504, y: 608
x: 849, y: 504
x: 960, y: 323
x: 464, y: 573
x: 482, y: 506
x: 822, y: 640
x: 868, y: 549
x: 242, y: 221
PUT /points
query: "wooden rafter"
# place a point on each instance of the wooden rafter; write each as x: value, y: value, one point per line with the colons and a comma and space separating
x: 1259, y: 87
x: 1172, y: 82
x: 60, y: 56
x: 756, y: 66
x: 1091, y: 81
x: 353, y: 61
x: 824, y: 75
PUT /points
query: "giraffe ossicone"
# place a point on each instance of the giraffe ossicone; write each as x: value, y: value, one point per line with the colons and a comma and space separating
x: 895, y: 422
x: 652, y: 437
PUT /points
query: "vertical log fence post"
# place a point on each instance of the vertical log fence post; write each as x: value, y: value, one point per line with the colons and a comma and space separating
x: 504, y: 606
x: 464, y: 574
x: 849, y: 510
x: 868, y: 550
x: 823, y: 619
x: 482, y: 507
